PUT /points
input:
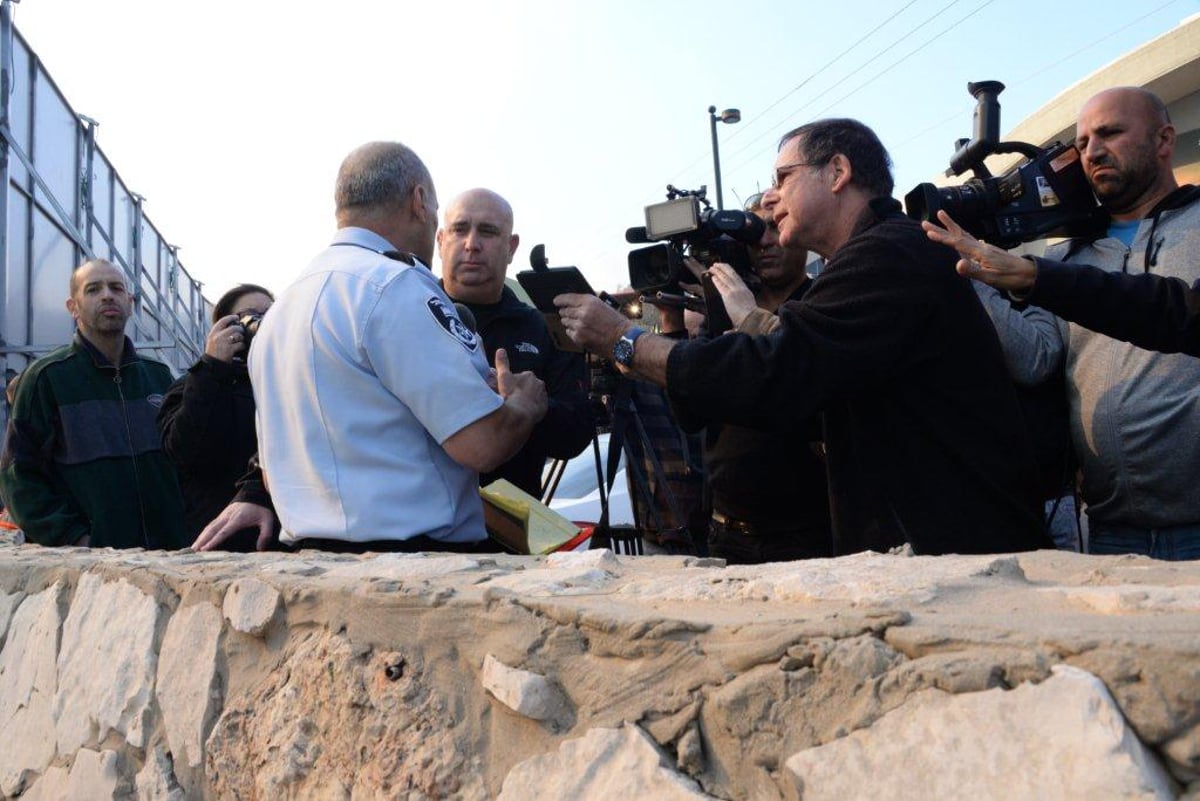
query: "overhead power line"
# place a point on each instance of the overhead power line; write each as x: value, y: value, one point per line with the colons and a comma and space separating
x: 870, y: 80
x: 761, y: 116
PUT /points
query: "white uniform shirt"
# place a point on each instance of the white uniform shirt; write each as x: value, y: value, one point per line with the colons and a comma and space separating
x: 360, y: 371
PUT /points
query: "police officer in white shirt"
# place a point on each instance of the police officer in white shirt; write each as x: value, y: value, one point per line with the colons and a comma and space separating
x: 375, y: 412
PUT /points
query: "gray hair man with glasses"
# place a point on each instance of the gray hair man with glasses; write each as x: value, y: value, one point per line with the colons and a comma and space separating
x: 923, y: 432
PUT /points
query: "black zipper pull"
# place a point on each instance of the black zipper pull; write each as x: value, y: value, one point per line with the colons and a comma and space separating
x: 1152, y: 254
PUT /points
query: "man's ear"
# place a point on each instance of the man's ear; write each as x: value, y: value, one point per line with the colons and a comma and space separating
x: 843, y: 172
x: 417, y: 204
x: 514, y: 242
x: 1166, y: 140
x: 71, y: 305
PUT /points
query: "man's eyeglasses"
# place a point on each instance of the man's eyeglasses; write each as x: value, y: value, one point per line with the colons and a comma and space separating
x: 781, y: 174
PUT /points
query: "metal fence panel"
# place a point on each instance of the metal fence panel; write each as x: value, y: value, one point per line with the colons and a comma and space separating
x: 66, y: 203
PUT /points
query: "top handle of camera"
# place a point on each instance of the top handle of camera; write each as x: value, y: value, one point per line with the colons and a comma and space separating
x: 985, y: 139
x: 538, y: 260
x: 986, y: 134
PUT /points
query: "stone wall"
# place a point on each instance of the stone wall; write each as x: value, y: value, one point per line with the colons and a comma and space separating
x: 151, y: 675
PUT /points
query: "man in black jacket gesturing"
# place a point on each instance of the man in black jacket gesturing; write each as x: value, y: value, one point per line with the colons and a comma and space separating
x: 924, y: 437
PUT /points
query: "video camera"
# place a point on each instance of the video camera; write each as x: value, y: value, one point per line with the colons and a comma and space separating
x: 1048, y: 195
x: 687, y: 225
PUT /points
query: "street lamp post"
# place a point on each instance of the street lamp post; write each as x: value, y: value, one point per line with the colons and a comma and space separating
x: 730, y: 116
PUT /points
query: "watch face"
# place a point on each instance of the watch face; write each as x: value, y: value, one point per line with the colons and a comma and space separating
x: 623, y: 352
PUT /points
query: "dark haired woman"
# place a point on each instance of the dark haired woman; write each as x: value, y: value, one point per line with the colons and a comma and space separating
x: 207, y: 416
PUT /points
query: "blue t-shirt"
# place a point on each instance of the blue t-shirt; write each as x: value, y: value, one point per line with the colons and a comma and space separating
x: 1125, y: 231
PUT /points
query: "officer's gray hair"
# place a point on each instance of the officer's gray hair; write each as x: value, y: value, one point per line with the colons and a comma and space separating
x: 378, y: 175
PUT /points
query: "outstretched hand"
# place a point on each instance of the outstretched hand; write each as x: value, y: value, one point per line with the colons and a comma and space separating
x: 981, y: 261
x: 233, y: 518
x: 591, y: 323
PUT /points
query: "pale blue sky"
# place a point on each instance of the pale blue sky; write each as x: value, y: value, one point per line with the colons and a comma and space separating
x: 232, y: 118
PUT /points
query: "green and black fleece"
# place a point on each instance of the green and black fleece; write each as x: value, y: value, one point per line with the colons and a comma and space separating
x: 83, y: 456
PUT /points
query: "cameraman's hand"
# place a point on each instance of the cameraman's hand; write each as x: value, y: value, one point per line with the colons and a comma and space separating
x: 225, y: 339
x: 738, y: 299
x: 525, y: 392
x: 591, y: 323
x: 981, y: 261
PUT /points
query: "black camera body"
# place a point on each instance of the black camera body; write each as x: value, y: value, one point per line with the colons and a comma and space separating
x: 686, y: 225
x: 1047, y: 195
x: 248, y: 324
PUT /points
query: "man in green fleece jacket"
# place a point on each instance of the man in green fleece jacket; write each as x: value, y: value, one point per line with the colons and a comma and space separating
x: 83, y: 461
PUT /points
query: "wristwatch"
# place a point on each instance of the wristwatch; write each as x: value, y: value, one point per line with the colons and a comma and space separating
x: 623, y: 350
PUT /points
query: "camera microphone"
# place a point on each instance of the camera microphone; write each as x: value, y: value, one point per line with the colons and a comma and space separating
x: 637, y: 236
x: 466, y: 316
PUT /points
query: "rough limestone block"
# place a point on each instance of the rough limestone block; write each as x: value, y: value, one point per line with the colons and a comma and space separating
x: 864, y: 579
x: 8, y: 605
x: 525, y: 693
x: 156, y: 780
x: 187, y: 666
x: 50, y: 786
x: 1130, y: 598
x: 106, y: 665
x: 94, y: 775
x: 601, y: 558
x: 250, y: 606
x: 27, y: 687
x: 563, y: 578
x: 1063, y: 738
x: 602, y: 765
x: 1184, y: 752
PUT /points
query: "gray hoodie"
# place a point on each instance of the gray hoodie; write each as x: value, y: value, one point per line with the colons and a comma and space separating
x: 1135, y: 414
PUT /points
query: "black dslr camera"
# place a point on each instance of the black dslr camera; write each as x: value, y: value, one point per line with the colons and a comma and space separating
x: 1048, y: 195
x: 687, y: 225
x: 248, y: 324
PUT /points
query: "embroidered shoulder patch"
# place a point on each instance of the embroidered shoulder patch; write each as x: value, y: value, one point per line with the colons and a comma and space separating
x: 448, y: 320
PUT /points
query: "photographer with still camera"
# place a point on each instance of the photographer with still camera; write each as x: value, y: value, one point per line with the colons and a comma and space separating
x: 1134, y: 413
x: 923, y: 434
x: 769, y: 492
x: 207, y: 416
